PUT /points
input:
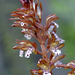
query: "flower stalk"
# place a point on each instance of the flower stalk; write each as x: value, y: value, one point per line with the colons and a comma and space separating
x: 44, y: 52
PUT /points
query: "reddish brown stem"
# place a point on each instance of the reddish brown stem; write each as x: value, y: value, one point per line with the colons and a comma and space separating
x: 44, y: 52
x: 38, y: 52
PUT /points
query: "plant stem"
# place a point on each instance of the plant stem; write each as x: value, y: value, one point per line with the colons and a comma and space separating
x: 44, y: 52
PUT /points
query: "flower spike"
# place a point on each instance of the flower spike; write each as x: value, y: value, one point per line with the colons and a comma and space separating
x: 28, y: 18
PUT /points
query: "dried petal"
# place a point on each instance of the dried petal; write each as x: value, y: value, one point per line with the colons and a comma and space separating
x: 72, y: 72
x: 36, y: 72
x: 21, y: 9
x: 50, y: 18
x: 60, y: 46
x: 41, y: 7
x: 72, y: 64
x: 18, y: 47
x: 16, y: 25
x: 14, y: 18
x: 25, y: 3
x: 43, y: 64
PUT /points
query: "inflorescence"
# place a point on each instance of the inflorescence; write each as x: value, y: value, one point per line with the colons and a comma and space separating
x: 28, y: 18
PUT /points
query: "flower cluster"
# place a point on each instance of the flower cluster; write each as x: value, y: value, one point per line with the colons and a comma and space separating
x: 27, y: 47
x: 28, y: 17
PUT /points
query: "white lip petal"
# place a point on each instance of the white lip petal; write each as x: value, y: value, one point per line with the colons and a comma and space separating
x: 58, y: 63
x: 33, y: 5
x: 46, y: 73
x: 21, y: 53
x: 58, y: 39
x: 27, y: 36
x: 56, y: 36
x: 55, y: 24
x: 38, y: 11
x: 28, y: 53
x: 22, y: 24
x: 50, y: 29
x: 56, y: 52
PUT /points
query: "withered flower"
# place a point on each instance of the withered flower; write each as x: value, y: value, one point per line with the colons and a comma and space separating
x: 28, y: 17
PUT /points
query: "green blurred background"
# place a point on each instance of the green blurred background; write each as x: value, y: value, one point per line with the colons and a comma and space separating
x: 10, y: 62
